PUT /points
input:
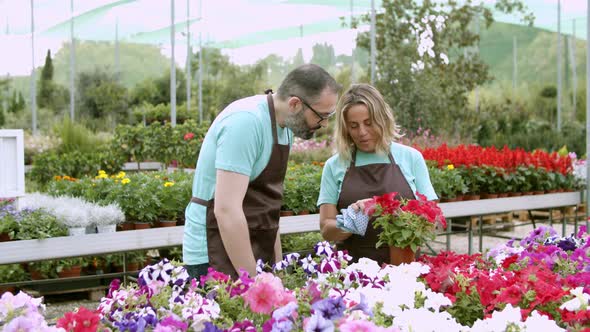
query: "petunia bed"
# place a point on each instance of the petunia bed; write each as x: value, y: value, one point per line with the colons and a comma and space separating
x: 538, y: 283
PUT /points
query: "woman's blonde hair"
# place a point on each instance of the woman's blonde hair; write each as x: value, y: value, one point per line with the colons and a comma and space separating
x: 380, y: 114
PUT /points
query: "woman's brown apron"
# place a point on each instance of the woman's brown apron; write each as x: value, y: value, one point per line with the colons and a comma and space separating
x: 365, y: 182
x: 261, y: 205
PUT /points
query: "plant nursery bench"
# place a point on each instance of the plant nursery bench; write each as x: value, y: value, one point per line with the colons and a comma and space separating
x: 122, y: 242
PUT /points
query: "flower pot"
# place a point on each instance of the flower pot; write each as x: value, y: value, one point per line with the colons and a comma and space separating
x: 287, y: 213
x: 132, y: 266
x: 488, y: 196
x: 5, y: 289
x: 167, y: 223
x: 527, y: 193
x: 514, y: 194
x: 502, y: 195
x: 126, y: 226
x: 71, y: 272
x: 538, y: 192
x: 471, y: 197
x: 36, y: 275
x: 303, y: 212
x: 448, y: 200
x: 4, y: 237
x: 141, y: 225
x: 74, y: 231
x: 106, y: 228
x: 399, y: 256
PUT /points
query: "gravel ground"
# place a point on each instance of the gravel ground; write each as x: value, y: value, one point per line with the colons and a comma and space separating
x: 57, y: 306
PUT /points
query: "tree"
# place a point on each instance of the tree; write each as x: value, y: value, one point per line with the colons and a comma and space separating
x: 422, y: 70
x: 100, y: 95
x: 4, y: 93
x: 46, y: 87
x: 298, y: 60
x: 224, y: 82
x: 157, y: 91
x: 323, y: 55
x: 49, y: 94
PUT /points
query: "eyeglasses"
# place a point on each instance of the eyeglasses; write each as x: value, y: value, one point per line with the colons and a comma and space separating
x: 319, y: 115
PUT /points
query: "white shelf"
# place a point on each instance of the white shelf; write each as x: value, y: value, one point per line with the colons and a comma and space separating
x: 97, y: 244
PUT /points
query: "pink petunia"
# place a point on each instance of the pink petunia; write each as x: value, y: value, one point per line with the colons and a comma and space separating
x: 266, y: 293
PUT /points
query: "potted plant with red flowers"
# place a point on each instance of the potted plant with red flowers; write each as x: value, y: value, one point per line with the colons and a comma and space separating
x: 404, y: 224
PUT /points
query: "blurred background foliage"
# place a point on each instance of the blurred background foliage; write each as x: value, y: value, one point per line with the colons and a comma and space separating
x: 440, y: 100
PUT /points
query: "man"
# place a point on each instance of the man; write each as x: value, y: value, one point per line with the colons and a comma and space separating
x: 233, y: 217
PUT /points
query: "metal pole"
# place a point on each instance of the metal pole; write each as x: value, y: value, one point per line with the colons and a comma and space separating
x: 514, y: 65
x: 200, y: 79
x: 33, y: 83
x: 587, y: 112
x: 353, y: 44
x: 574, y: 69
x: 559, y: 65
x: 373, y: 44
x: 72, y: 62
x: 172, y: 69
x: 117, y: 59
x: 188, y: 58
x: 200, y: 65
x: 477, y: 46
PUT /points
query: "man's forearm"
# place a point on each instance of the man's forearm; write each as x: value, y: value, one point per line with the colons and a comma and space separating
x: 233, y: 228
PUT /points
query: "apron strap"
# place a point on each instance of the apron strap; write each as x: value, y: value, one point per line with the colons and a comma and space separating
x: 353, y: 160
x: 391, y: 157
x: 199, y: 201
x: 271, y: 110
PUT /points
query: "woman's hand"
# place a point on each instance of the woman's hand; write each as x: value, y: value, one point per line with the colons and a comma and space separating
x: 359, y: 205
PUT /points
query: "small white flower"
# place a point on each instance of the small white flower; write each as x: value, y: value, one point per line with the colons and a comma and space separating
x: 444, y: 58
x: 580, y: 301
x: 538, y: 322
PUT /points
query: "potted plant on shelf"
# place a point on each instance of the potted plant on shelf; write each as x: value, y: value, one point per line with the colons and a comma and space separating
x: 69, y: 267
x: 8, y: 222
x: 11, y: 273
x: 133, y: 261
x: 135, y: 195
x: 106, y: 218
x: 39, y: 224
x: 69, y: 211
x: 404, y: 225
x: 43, y: 270
x: 171, y: 202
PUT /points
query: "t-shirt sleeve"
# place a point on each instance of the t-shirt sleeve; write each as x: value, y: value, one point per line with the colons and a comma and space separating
x: 238, y: 143
x: 423, y: 184
x: 329, y: 186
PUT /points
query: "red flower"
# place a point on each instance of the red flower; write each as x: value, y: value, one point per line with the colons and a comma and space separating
x: 81, y: 320
x: 188, y: 136
x: 508, y: 261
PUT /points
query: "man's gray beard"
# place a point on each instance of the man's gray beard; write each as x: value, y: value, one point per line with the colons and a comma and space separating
x: 297, y: 124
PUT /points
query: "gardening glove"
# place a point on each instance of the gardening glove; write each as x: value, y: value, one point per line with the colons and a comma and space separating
x: 352, y: 221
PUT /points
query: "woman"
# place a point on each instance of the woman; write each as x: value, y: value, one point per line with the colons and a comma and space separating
x: 368, y: 163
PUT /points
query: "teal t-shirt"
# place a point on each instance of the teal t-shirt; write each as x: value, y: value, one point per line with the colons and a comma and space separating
x: 410, y: 162
x: 239, y: 140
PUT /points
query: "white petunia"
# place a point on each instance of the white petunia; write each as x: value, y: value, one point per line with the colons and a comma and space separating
x: 580, y: 301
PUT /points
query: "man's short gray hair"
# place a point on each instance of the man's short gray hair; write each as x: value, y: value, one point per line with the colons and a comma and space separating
x: 308, y: 82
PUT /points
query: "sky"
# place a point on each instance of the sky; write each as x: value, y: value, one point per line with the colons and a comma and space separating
x: 222, y: 21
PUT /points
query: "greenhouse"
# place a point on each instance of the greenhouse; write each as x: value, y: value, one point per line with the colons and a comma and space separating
x: 294, y: 165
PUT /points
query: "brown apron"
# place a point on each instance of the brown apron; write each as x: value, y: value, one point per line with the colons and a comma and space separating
x: 261, y: 205
x: 365, y: 182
